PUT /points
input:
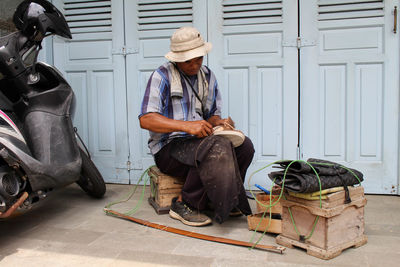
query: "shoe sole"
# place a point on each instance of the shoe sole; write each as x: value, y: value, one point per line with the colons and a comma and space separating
x: 176, y: 216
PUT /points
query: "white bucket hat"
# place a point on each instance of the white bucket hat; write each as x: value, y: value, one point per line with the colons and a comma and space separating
x: 187, y: 43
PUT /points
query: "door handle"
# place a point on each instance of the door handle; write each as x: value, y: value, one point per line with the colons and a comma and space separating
x: 395, y: 20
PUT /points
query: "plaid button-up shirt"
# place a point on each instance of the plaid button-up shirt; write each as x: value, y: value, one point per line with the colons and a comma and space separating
x: 157, y: 98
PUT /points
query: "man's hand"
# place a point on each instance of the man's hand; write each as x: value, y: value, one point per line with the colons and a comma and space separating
x: 229, y: 121
x: 217, y: 121
x: 199, y: 128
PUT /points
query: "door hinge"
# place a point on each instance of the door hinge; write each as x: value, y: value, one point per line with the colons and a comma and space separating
x: 299, y: 43
x: 124, y: 51
x: 299, y: 152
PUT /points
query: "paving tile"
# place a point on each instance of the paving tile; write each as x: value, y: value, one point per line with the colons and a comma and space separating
x: 146, y: 240
x: 300, y: 256
x: 254, y: 263
x: 383, y: 229
x: 383, y: 259
x: 11, y: 245
x: 163, y: 259
x: 29, y: 257
x: 218, y: 251
x: 381, y: 244
x: 62, y: 235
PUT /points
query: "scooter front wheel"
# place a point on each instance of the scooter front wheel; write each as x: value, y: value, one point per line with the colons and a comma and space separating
x: 91, y: 181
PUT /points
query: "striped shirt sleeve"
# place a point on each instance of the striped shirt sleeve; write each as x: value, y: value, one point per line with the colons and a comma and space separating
x: 214, y: 96
x: 153, y: 99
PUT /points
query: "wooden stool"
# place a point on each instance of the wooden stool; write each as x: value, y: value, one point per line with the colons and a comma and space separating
x: 163, y: 189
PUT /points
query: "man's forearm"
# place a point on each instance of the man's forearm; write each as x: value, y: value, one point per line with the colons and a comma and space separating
x: 160, y: 124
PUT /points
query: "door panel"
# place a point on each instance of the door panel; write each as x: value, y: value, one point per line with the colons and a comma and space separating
x: 148, y: 43
x: 95, y: 68
x: 257, y: 74
x: 349, y: 89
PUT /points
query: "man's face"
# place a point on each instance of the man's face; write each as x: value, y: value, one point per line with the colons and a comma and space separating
x: 191, y: 67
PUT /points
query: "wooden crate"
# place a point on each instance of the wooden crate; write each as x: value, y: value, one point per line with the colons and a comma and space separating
x: 256, y: 219
x: 264, y: 199
x: 165, y: 189
x: 339, y: 226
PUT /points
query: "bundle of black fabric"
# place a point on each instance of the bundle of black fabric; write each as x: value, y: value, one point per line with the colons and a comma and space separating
x: 301, y: 178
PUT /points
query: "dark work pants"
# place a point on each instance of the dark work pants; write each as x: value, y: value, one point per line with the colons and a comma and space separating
x: 213, y: 170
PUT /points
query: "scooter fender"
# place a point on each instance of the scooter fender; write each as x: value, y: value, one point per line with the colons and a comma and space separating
x: 40, y: 176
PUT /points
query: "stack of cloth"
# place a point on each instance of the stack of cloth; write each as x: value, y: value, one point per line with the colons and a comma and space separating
x: 301, y: 179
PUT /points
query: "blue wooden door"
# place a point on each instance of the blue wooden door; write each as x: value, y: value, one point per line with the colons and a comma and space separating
x: 256, y: 66
x: 350, y: 87
x: 94, y: 64
x: 149, y: 25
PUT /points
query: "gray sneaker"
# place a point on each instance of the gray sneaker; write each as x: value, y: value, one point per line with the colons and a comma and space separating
x: 180, y: 211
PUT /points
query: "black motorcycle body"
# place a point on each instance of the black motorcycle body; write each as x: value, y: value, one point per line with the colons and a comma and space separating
x: 39, y: 150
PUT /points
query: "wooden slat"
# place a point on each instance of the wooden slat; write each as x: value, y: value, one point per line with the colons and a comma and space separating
x: 248, y: 2
x: 253, y: 14
x: 89, y: 17
x: 91, y: 29
x: 241, y: 8
x: 89, y: 23
x: 88, y: 5
x: 355, y: 7
x: 249, y: 21
x: 336, y: 2
x: 350, y: 15
x: 66, y: 2
x: 165, y: 19
x: 88, y: 11
x: 165, y: 26
x: 162, y: 13
x: 160, y: 1
x: 257, y: 221
x: 164, y: 6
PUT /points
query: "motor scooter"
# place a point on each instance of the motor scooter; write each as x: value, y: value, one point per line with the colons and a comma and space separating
x: 40, y: 149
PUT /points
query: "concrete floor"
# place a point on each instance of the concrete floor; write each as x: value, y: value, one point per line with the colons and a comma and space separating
x: 70, y: 229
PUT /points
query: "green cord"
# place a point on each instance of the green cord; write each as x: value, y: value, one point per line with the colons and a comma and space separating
x: 268, y: 208
x: 131, y: 193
